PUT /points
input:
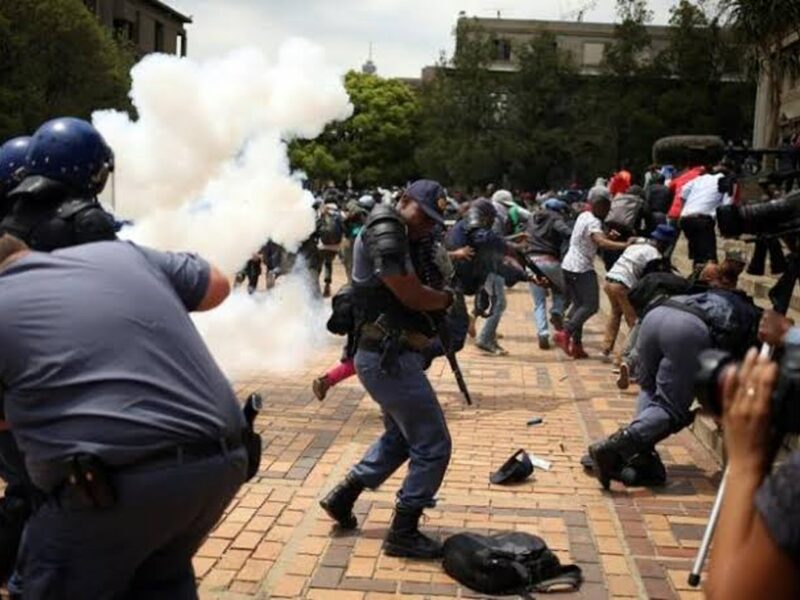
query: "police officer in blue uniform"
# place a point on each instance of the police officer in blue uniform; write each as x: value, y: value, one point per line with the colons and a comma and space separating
x: 17, y: 501
x: 67, y: 164
x: 125, y: 421
x: 392, y: 300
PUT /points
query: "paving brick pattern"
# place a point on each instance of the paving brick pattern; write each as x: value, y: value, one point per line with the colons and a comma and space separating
x: 275, y: 542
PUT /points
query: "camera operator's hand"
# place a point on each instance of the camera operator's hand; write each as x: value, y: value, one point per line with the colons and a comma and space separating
x: 773, y: 328
x: 746, y: 396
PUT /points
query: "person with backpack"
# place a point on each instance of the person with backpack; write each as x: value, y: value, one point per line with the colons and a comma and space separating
x: 637, y: 260
x: 330, y: 230
x: 672, y: 336
x: 579, y: 273
x: 624, y: 220
x: 548, y: 233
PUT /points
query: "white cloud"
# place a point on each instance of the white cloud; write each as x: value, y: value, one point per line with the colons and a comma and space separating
x: 407, y: 34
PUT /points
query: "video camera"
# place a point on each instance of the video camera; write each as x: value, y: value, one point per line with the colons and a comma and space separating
x: 773, y: 219
x: 785, y: 408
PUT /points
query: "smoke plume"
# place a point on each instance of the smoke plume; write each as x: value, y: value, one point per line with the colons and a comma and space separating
x: 203, y: 167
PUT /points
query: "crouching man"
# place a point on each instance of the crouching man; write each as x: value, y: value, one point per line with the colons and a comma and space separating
x: 125, y: 421
x: 671, y: 338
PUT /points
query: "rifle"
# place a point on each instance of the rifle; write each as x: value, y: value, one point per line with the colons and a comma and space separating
x: 440, y: 327
x: 534, y: 268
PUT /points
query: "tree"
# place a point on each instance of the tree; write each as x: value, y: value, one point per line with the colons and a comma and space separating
x: 56, y: 59
x: 375, y: 146
x: 765, y: 26
x: 463, y: 114
x: 544, y: 128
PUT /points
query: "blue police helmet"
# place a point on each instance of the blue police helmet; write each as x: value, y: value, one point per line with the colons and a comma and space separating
x: 72, y: 152
x: 12, y: 161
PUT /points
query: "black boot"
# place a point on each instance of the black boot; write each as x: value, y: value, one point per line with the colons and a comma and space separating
x: 612, y: 455
x: 645, y: 469
x: 340, y: 500
x: 406, y: 540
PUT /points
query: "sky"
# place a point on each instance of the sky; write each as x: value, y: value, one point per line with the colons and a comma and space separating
x: 406, y: 34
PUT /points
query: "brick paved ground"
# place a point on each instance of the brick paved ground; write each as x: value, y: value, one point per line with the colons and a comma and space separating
x: 275, y: 542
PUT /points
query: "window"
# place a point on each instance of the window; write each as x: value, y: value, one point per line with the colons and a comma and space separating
x: 593, y: 53
x: 123, y: 29
x: 159, y: 39
x: 502, y: 49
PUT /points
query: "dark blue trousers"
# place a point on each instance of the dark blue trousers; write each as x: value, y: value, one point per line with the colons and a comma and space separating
x: 140, y: 548
x: 415, y: 429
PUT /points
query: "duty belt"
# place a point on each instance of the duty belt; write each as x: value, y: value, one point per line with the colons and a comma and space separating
x: 373, y: 336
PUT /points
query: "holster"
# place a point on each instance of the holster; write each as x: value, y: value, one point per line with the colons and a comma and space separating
x: 89, y: 483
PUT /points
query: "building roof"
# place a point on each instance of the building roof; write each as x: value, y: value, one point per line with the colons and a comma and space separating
x: 525, y: 26
x: 169, y: 10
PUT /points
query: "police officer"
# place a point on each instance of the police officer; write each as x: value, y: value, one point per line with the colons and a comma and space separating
x: 126, y: 422
x: 12, y: 163
x: 395, y: 330
x: 67, y: 165
x: 17, y: 501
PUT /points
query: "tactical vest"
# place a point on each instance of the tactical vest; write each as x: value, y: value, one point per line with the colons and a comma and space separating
x: 48, y: 217
x: 386, y: 234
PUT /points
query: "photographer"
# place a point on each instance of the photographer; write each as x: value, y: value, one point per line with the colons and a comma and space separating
x: 757, y: 543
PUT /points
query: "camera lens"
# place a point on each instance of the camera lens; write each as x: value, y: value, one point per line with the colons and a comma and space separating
x: 708, y: 380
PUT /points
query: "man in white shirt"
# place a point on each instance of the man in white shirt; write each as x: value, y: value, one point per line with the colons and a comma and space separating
x: 626, y: 272
x: 701, y: 198
x: 579, y: 273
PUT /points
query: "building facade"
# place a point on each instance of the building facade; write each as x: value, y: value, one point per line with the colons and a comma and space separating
x: 150, y: 25
x: 585, y: 42
x: 789, y: 111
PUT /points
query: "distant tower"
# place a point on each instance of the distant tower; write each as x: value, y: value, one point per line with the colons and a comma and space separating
x: 369, y: 67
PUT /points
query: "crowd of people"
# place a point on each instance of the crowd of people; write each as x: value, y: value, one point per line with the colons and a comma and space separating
x: 118, y: 458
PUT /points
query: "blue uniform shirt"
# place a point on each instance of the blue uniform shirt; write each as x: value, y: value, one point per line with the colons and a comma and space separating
x: 98, y: 354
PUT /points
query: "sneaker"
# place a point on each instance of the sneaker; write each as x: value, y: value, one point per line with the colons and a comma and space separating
x: 494, y: 349
x: 577, y: 352
x: 562, y: 340
x: 544, y: 342
x: 624, y: 377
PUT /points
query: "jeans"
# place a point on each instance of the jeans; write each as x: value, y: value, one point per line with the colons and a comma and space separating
x: 496, y: 286
x: 553, y: 271
x: 585, y: 295
x: 670, y: 341
x: 414, y: 429
x: 327, y: 265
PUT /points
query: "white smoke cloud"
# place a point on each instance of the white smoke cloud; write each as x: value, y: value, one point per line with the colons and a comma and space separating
x: 273, y: 332
x: 203, y: 167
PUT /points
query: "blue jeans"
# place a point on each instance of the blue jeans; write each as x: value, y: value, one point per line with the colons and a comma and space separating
x: 669, y: 343
x: 553, y: 271
x: 496, y: 286
x: 414, y: 429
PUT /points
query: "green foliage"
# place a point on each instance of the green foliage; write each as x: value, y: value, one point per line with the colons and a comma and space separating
x: 462, y: 112
x: 374, y: 146
x: 56, y: 59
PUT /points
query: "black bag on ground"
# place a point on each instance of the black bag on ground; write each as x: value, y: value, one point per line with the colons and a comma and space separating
x: 507, y: 563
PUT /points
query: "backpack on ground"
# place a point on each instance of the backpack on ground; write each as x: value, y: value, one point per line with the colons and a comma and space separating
x: 507, y: 563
